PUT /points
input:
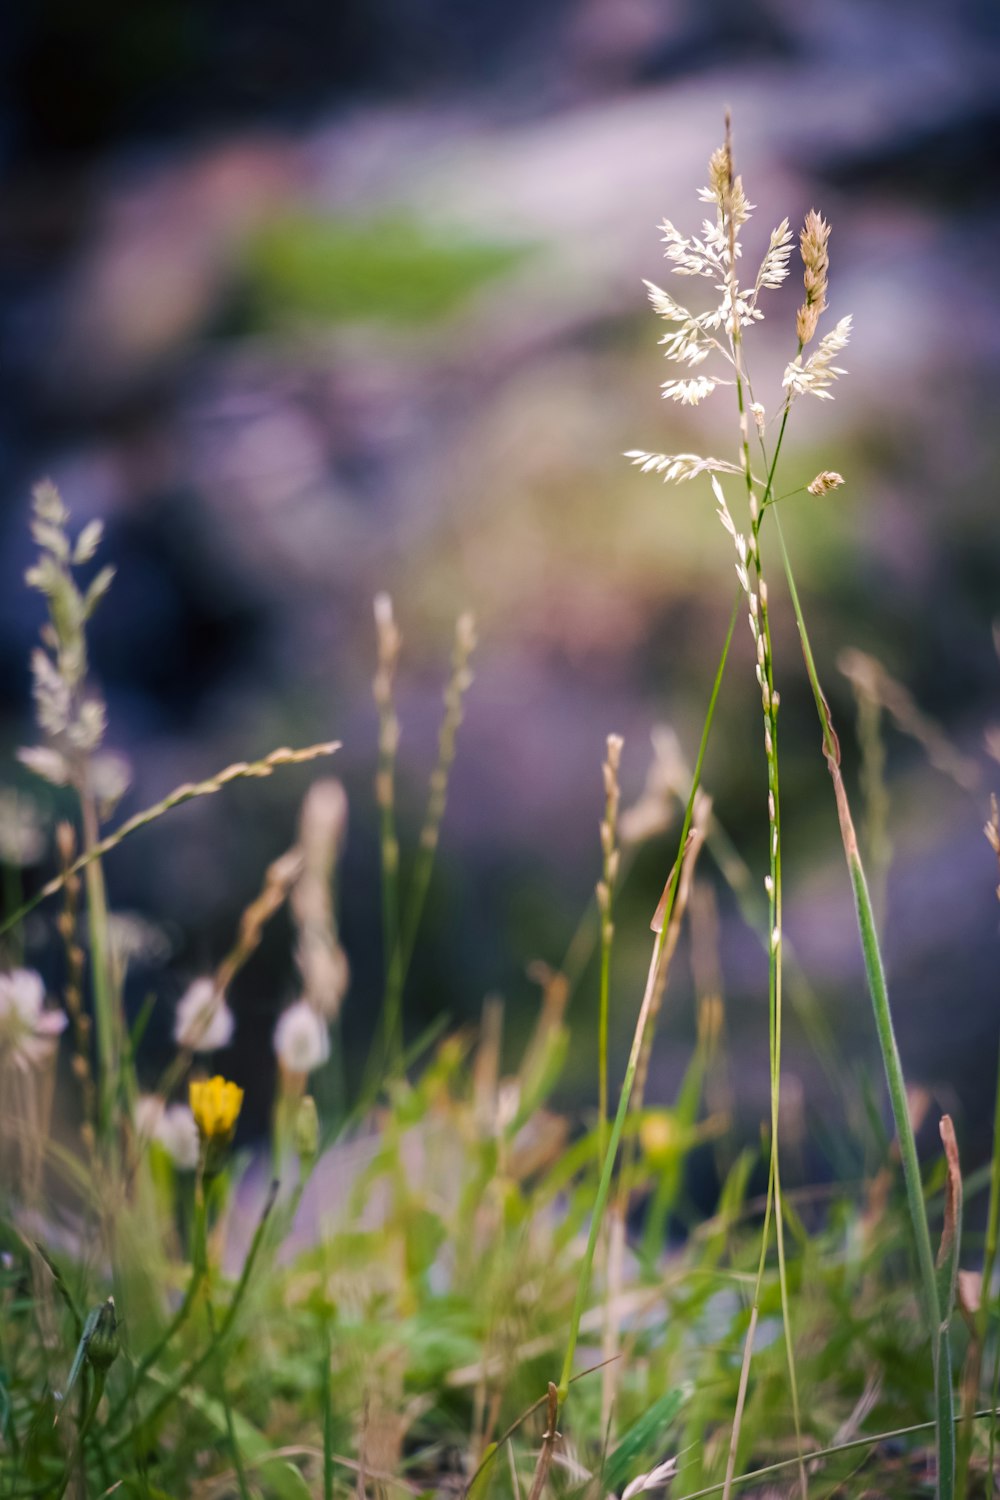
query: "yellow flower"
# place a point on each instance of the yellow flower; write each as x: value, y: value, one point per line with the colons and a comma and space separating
x: 216, y: 1105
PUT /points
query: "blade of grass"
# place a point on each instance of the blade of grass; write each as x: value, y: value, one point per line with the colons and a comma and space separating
x: 891, y: 1060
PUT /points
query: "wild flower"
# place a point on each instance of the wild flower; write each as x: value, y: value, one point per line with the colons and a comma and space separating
x: 177, y: 1133
x: 301, y: 1039
x: 203, y: 1021
x: 171, y: 1126
x: 306, y: 1132
x: 215, y: 1105
x: 29, y: 1033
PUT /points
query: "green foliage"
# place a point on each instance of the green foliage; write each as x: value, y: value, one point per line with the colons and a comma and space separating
x: 301, y: 270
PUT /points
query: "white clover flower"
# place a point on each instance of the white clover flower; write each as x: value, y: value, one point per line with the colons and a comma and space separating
x: 203, y: 1021
x: 177, y: 1133
x: 28, y: 1032
x: 301, y: 1038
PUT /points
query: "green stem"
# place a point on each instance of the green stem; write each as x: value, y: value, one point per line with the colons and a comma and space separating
x: 193, y: 1366
x: 106, y: 1017
x: 85, y: 1426
x: 326, y: 1387
x: 891, y: 1062
x: 199, y: 1261
x: 234, y: 1446
x: 770, y: 704
x: 604, y: 1186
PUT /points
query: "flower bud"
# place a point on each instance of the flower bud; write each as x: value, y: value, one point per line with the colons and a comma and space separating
x: 103, y: 1344
x: 307, y: 1131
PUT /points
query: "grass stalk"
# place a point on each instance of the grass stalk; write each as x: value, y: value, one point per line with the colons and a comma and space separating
x: 107, y: 1017
x: 604, y: 1185
x: 891, y: 1061
x: 199, y: 1266
x: 193, y: 1366
x: 761, y: 630
x: 388, y: 643
x: 982, y: 1316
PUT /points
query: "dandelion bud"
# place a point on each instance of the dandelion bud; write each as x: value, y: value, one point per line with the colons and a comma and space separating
x: 307, y: 1131
x: 104, y: 1344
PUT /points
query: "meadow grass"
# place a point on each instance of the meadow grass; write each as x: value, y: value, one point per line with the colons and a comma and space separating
x: 436, y: 1281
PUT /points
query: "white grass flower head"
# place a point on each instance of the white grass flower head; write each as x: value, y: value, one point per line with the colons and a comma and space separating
x: 29, y: 1033
x: 177, y: 1133
x: 678, y: 467
x: 812, y: 376
x: 203, y: 1021
x: 301, y: 1039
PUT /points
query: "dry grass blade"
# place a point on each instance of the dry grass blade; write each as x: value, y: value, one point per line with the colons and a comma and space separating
x: 241, y: 770
x: 549, y: 1438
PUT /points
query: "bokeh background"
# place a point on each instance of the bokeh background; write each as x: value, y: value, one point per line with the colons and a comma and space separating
x: 310, y: 301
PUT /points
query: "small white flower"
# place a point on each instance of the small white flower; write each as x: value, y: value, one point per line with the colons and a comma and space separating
x: 203, y: 1021
x: 301, y: 1038
x: 177, y: 1133
x: 28, y: 1032
x: 146, y: 1115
